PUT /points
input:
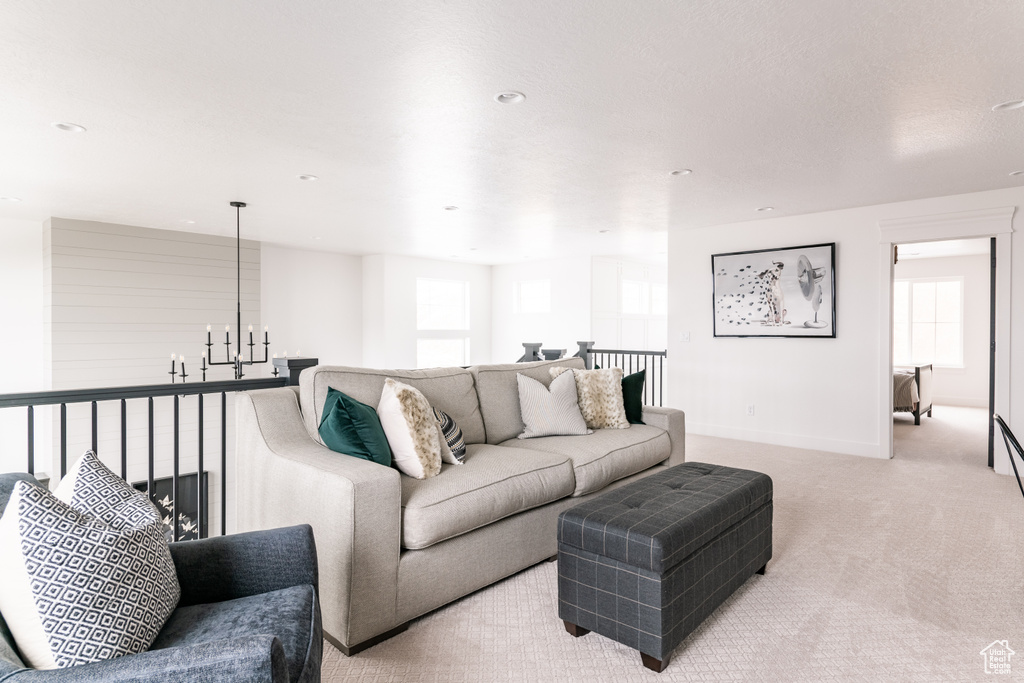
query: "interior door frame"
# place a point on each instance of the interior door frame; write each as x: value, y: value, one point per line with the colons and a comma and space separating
x: 995, y: 223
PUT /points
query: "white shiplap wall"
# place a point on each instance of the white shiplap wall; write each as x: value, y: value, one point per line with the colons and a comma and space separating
x: 118, y: 300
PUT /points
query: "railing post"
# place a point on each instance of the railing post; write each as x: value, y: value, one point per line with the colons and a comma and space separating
x: 532, y: 352
x: 31, y: 440
x: 290, y: 368
x: 176, y: 501
x: 200, y: 494
x: 63, y: 439
x: 553, y: 354
x: 585, y: 354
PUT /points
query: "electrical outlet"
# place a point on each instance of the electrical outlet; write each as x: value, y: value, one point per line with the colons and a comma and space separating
x: 750, y: 410
x: 684, y: 336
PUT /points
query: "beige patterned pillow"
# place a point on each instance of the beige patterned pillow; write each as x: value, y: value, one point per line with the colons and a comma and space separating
x: 600, y: 397
x: 411, y: 428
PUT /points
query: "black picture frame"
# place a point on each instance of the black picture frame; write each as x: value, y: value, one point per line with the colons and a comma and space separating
x: 189, y: 521
x: 772, y: 292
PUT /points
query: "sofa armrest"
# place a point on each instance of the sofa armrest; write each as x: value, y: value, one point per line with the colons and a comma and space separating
x: 237, y: 566
x: 354, y: 506
x: 674, y: 422
x: 250, y: 659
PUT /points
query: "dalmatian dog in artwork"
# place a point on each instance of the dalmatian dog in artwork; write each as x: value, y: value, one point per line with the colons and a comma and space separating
x: 773, y: 296
x: 751, y: 298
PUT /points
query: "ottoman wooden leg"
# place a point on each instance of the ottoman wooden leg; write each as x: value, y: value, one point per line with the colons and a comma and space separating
x: 762, y: 570
x: 653, y: 664
x: 574, y: 630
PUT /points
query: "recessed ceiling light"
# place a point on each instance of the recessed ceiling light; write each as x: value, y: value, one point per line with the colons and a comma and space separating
x: 766, y: 208
x: 472, y: 248
x: 682, y: 171
x: 68, y: 127
x: 509, y: 97
x: 602, y: 232
x: 188, y: 221
x: 315, y: 237
x: 451, y: 208
x: 1016, y: 172
x: 1012, y: 104
x: 306, y: 176
x: 11, y: 199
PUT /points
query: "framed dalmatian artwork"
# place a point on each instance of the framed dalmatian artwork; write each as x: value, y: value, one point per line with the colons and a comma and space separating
x: 787, y: 292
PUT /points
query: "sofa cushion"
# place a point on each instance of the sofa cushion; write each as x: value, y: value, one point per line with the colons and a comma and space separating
x: 492, y: 483
x: 450, y: 389
x: 499, y: 393
x: 607, y: 455
x: 288, y: 614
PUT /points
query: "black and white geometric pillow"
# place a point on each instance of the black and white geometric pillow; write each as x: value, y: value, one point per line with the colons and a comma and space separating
x: 83, y: 585
x: 452, y: 435
x: 91, y: 488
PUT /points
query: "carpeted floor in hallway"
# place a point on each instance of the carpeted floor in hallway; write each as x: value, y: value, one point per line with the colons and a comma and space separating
x: 883, y: 570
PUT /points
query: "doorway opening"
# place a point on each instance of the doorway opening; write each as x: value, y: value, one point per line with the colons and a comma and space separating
x: 943, y: 350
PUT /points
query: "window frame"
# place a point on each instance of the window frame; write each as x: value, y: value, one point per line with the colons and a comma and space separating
x: 431, y: 333
x: 910, y: 320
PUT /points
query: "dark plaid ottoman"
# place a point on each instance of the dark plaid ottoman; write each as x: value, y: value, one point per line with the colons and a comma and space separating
x: 644, y: 564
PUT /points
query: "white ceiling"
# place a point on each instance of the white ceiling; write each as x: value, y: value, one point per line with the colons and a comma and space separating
x: 803, y: 105
x: 944, y: 248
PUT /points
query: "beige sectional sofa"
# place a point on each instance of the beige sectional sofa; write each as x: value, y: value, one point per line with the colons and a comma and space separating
x: 391, y: 547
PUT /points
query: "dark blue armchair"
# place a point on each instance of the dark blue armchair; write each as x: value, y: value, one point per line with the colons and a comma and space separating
x: 249, y: 611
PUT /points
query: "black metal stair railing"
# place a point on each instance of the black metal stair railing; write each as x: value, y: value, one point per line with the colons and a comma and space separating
x: 630, y: 361
x: 289, y: 368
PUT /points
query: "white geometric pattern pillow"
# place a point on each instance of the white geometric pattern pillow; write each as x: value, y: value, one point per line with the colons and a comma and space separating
x: 87, y: 584
x: 600, y: 396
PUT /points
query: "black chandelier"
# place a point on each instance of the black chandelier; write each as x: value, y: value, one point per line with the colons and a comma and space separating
x: 238, y: 361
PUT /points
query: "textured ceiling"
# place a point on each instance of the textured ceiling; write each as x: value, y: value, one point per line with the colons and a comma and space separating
x: 802, y: 105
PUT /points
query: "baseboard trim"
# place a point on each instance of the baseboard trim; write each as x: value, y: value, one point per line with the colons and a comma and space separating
x: 359, y: 647
x: 812, y: 443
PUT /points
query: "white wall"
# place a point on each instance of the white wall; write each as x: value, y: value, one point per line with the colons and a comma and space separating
x: 118, y: 300
x: 21, y: 330
x: 966, y: 386
x: 313, y: 303
x: 568, y: 320
x: 811, y: 393
x: 389, y: 307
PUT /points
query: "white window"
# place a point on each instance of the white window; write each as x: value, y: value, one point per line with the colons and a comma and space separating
x: 928, y: 322
x: 636, y: 297
x: 532, y: 296
x: 442, y: 322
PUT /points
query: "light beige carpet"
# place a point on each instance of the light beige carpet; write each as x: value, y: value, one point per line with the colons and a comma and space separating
x: 883, y: 570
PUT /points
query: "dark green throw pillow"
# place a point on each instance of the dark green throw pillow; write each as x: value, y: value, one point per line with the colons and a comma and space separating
x: 353, y: 428
x: 633, y: 396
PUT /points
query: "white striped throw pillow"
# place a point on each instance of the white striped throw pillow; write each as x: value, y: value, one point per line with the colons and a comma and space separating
x: 550, y: 411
